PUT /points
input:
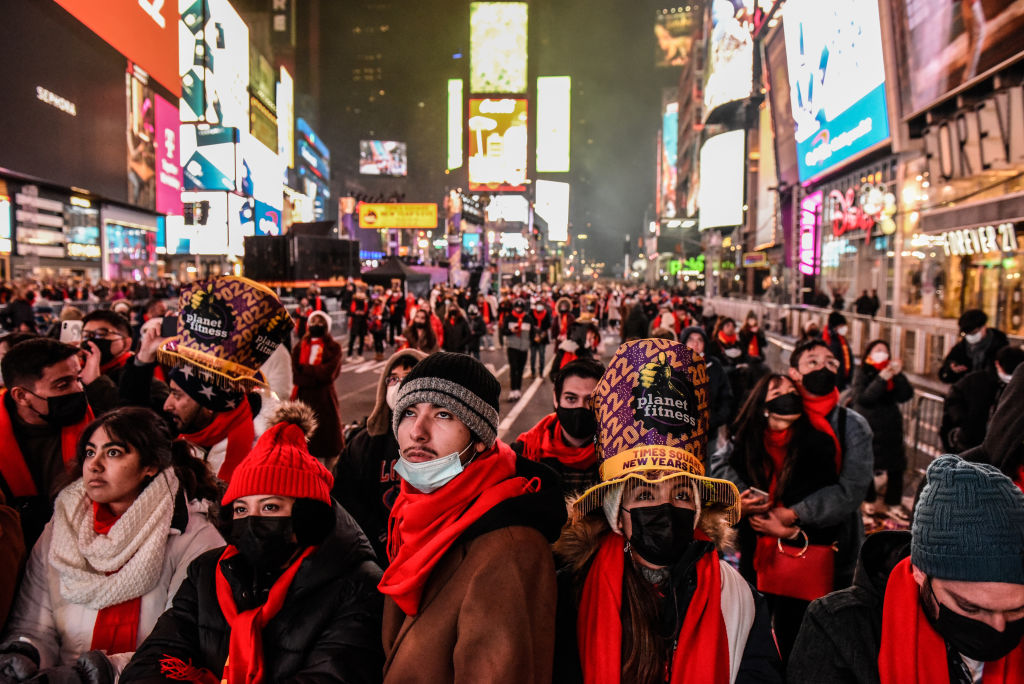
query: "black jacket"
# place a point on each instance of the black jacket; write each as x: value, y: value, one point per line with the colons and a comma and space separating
x: 841, y: 634
x: 456, y: 334
x: 880, y: 406
x: 962, y: 353
x: 327, y: 631
x: 1003, y: 446
x: 636, y: 324
x: 967, y: 408
x: 366, y: 484
x: 721, y: 402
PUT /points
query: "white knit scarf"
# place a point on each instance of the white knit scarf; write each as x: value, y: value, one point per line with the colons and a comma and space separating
x: 100, y: 570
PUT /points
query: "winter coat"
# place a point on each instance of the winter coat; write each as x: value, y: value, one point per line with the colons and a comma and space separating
x: 456, y: 334
x: 327, y: 630
x: 635, y: 325
x: 841, y: 633
x: 278, y: 372
x: 1003, y: 446
x: 837, y: 504
x: 967, y: 408
x: 880, y: 407
x: 963, y: 353
x: 314, y: 385
x: 62, y: 631
x: 721, y: 401
x: 477, y: 329
x: 762, y: 344
x: 488, y: 608
x: 12, y: 557
x: 745, y: 611
x: 515, y: 338
x: 421, y: 339
x: 840, y: 348
x: 539, y: 331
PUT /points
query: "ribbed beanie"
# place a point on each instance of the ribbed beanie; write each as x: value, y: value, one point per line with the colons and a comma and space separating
x: 459, y: 383
x: 280, y: 464
x: 969, y: 524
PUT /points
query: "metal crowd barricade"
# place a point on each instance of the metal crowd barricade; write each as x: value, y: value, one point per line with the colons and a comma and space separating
x: 922, y: 417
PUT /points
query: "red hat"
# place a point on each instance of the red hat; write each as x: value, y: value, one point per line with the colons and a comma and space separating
x: 280, y: 464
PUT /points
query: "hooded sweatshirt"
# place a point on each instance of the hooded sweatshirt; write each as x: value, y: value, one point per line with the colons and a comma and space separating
x: 721, y: 402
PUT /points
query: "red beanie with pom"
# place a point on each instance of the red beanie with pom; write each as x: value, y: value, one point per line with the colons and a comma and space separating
x: 280, y: 464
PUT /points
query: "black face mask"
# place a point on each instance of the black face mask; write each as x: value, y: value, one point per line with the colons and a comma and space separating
x: 785, y: 405
x: 661, y: 534
x: 63, y: 409
x: 971, y: 638
x: 266, y: 542
x: 103, y: 346
x: 820, y: 382
x: 317, y: 330
x: 814, y: 332
x: 578, y: 423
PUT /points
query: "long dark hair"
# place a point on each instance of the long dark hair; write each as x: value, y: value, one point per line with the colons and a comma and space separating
x: 643, y: 645
x: 148, y: 434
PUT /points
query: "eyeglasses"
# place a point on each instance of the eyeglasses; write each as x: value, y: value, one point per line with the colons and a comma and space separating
x: 101, y: 334
x: 392, y: 380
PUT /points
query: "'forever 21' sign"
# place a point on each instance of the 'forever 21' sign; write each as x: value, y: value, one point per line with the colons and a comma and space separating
x: 982, y: 240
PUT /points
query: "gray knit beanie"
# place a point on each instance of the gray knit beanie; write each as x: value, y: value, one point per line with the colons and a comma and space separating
x: 459, y: 383
x: 969, y: 524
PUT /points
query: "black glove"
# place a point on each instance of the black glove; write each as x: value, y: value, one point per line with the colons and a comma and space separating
x: 19, y: 660
x: 95, y: 668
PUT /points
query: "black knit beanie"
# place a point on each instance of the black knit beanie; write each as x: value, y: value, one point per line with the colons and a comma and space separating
x: 459, y: 383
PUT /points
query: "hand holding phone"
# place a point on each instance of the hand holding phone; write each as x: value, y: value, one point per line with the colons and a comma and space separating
x: 71, y: 332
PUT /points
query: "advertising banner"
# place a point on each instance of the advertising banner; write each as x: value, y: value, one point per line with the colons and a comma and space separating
x: 767, y: 182
x: 949, y: 44
x: 675, y: 30
x: 498, y: 47
x: 455, y: 149
x: 262, y: 174
x: 497, y: 144
x: 722, y: 172
x: 729, y: 68
x: 554, y: 94
x: 286, y: 118
x: 383, y: 158
x: 783, y: 125
x: 141, y: 139
x: 837, y: 81
x: 144, y: 31
x: 208, y: 219
x: 213, y: 61
x: 169, y: 177
x: 210, y: 157
x: 398, y: 215
x: 552, y: 205
x: 668, y: 153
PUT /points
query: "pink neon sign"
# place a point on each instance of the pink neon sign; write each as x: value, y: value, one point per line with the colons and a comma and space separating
x: 810, y: 212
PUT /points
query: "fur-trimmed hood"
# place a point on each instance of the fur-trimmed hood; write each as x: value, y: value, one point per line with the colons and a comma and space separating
x: 582, y: 535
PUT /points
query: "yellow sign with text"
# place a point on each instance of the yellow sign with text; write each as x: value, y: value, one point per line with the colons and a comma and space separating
x: 398, y: 215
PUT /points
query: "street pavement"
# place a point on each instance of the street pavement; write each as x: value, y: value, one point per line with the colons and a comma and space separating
x: 357, y: 386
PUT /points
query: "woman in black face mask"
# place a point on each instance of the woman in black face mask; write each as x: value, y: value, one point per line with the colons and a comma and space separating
x: 644, y: 596
x: 777, y: 458
x: 293, y: 593
x: 316, y: 363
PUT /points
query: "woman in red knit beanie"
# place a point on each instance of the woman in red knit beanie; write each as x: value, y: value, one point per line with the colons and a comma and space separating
x: 294, y: 592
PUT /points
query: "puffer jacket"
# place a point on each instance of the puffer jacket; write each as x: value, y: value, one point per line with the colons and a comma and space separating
x: 62, y: 631
x: 327, y: 631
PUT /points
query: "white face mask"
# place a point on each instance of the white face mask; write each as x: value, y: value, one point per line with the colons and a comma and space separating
x: 843, y: 329
x: 879, y: 355
x: 974, y: 338
x: 429, y: 476
x: 392, y: 395
x: 1004, y: 377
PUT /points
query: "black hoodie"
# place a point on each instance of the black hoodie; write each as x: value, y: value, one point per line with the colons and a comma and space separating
x: 722, y: 404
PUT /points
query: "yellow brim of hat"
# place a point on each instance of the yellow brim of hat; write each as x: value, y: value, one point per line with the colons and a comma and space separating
x: 226, y: 374
x: 658, y: 464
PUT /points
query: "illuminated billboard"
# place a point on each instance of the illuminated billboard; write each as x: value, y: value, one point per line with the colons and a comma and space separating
x: 454, y: 123
x: 837, y: 82
x: 210, y: 157
x: 383, y: 158
x: 144, y: 31
x: 508, y: 208
x: 262, y: 173
x: 141, y: 135
x: 213, y: 61
x: 721, y: 180
x: 668, y: 154
x: 498, y: 47
x: 675, y: 30
x: 554, y: 94
x: 398, y: 215
x: 169, y: 177
x: 552, y: 205
x: 497, y: 144
x: 286, y: 118
x: 729, y: 69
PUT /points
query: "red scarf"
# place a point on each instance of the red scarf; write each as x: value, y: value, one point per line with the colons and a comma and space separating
x: 817, y: 410
x: 776, y: 443
x: 237, y: 427
x: 12, y: 463
x: 519, y: 320
x: 563, y: 324
x: 912, y: 651
x: 1019, y: 481
x: 702, y: 654
x: 422, y: 527
x: 545, y: 440
x: 880, y: 367
x: 117, y: 627
x: 827, y: 337
x: 245, y: 650
x: 306, y: 351
x: 754, y: 348
x: 116, y: 363
x: 540, y: 316
x: 727, y: 339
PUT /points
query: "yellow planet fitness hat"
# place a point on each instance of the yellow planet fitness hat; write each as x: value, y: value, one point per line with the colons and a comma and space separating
x: 652, y: 414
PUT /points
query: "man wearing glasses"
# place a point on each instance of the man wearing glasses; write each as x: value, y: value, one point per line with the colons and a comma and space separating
x: 814, y: 369
x: 107, y: 341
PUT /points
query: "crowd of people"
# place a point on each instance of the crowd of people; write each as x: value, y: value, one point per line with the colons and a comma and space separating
x: 187, y: 508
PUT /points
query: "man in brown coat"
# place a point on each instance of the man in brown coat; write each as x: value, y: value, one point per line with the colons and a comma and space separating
x: 470, y: 591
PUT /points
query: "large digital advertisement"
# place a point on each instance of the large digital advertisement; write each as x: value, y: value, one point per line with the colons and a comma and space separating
x: 169, y: 177
x: 729, y: 69
x: 210, y: 157
x: 497, y: 144
x: 949, y: 44
x: 213, y: 61
x: 722, y: 172
x: 383, y: 158
x: 498, y: 47
x: 675, y: 30
x: 837, y: 81
x: 554, y: 95
x: 668, y: 154
x: 141, y: 139
x: 552, y: 205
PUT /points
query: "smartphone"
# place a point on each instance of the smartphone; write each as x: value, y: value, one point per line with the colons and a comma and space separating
x: 169, y: 326
x: 760, y: 492
x: 71, y: 332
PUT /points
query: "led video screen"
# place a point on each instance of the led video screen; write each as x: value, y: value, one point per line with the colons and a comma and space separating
x: 554, y: 94
x: 721, y: 180
x: 383, y: 158
x: 498, y: 47
x: 675, y: 30
x: 497, y: 144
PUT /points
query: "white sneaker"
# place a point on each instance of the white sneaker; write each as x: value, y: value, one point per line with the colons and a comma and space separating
x: 492, y: 348
x: 355, y: 359
x: 514, y: 395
